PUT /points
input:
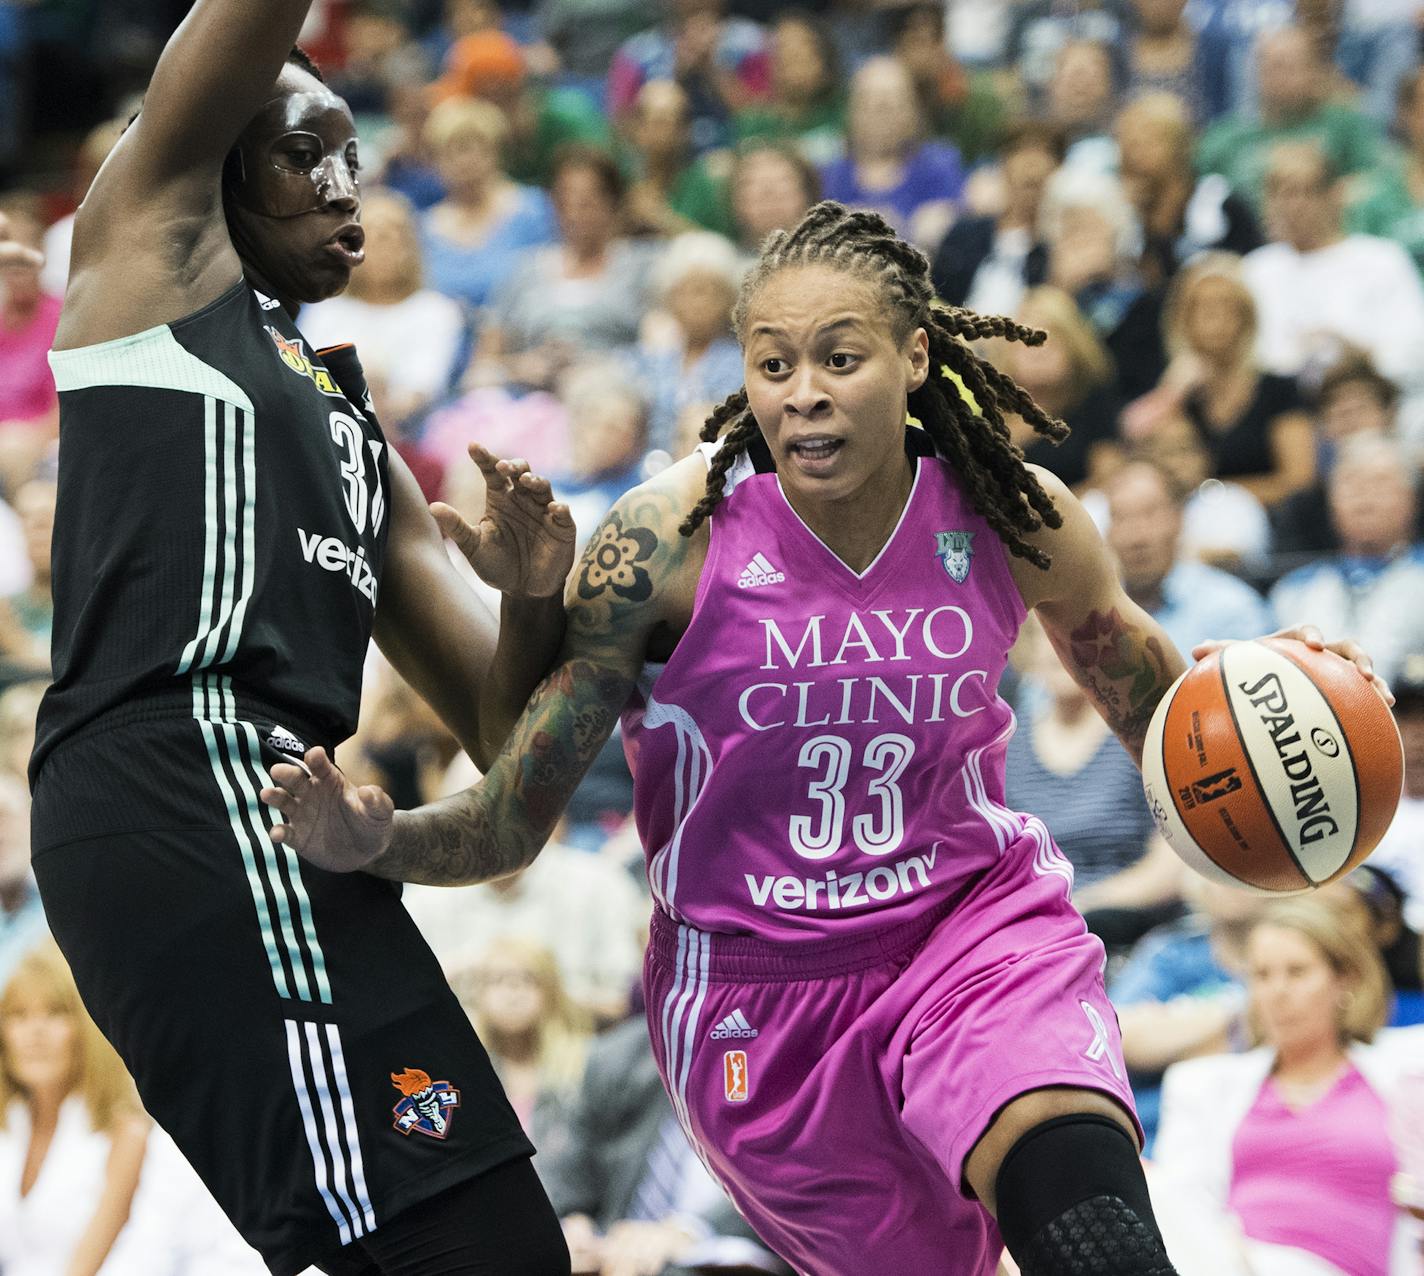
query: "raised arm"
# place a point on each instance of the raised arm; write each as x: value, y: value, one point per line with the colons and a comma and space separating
x: 438, y: 633
x: 1114, y: 650
x: 213, y: 76
x: 635, y: 580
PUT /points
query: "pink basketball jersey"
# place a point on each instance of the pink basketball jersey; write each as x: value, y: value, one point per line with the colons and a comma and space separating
x: 824, y: 752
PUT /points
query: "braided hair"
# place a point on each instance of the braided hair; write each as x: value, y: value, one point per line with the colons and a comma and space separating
x: 977, y: 444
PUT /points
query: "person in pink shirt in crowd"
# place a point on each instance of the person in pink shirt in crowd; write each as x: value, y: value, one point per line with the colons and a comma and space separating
x: 29, y: 403
x: 1278, y: 1162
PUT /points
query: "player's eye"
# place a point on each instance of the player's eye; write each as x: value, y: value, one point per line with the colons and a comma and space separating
x: 842, y: 361
x: 773, y: 367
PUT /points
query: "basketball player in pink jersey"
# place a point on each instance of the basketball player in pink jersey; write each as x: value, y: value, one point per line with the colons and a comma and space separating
x: 880, y: 1019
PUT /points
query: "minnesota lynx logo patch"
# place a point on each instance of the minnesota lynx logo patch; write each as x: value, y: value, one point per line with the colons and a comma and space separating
x: 955, y: 549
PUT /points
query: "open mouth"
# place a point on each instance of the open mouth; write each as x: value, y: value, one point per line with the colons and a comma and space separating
x: 816, y: 448
x: 349, y: 244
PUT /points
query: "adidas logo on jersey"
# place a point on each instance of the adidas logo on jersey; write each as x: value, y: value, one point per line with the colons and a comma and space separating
x: 283, y: 741
x: 759, y: 572
x: 734, y: 1025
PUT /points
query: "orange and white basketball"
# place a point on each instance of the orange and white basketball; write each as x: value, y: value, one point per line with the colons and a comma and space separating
x: 1272, y: 766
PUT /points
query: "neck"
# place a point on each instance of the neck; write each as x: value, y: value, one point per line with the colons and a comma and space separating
x: 1070, y: 711
x: 1382, y: 548
x: 1149, y: 597
x: 855, y: 528
x: 587, y: 256
x: 45, y: 1103
x: 1308, y: 1061
x: 516, y: 1047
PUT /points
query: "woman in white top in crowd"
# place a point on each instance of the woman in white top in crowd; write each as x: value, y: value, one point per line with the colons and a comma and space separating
x: 1278, y: 1162
x: 72, y: 1133
x: 410, y: 336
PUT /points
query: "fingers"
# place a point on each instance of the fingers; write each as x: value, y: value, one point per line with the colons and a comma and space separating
x: 453, y: 525
x: 1204, y: 649
x: 560, y: 516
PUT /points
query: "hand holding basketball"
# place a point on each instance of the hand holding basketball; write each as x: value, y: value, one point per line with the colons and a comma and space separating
x: 1274, y: 765
x: 1315, y: 640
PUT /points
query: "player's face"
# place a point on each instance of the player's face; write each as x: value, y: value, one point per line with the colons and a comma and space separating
x: 1295, y: 991
x: 295, y: 206
x: 828, y: 382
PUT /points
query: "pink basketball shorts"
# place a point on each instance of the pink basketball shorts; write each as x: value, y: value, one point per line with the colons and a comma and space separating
x: 836, y: 1089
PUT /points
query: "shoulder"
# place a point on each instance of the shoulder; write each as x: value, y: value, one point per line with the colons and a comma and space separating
x: 1217, y: 1076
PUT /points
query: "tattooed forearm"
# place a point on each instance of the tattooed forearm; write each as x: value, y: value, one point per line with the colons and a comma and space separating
x: 500, y: 825
x: 1126, y: 668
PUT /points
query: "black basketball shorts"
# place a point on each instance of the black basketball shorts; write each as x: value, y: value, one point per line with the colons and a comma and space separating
x: 288, y: 1027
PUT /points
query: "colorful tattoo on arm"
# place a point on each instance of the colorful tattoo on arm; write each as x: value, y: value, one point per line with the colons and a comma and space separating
x: 1126, y: 669
x: 498, y: 826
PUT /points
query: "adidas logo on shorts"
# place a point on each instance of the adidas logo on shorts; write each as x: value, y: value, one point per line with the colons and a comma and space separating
x: 734, y: 1025
x: 283, y: 741
x: 759, y: 572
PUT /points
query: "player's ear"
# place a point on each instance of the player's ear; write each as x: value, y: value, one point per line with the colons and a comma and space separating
x: 917, y: 354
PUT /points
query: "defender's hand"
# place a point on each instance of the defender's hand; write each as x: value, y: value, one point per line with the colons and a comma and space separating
x: 524, y: 544
x: 1314, y: 639
x: 329, y: 821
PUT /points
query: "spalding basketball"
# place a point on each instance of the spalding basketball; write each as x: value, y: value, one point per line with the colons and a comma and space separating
x: 1272, y: 766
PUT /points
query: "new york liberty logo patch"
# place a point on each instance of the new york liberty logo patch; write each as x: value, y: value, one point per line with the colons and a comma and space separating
x: 955, y: 550
x: 427, y: 1106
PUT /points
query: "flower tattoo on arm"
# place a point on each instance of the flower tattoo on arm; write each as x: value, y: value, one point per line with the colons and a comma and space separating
x: 614, y: 562
x: 1126, y: 670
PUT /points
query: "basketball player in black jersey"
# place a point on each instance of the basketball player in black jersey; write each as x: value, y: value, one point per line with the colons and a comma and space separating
x: 232, y: 529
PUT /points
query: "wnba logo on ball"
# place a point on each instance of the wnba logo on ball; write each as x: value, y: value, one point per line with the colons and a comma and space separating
x: 734, y: 1076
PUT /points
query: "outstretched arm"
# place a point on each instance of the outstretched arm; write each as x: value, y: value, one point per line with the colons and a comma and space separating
x: 635, y: 577
x: 1114, y: 650
x: 434, y: 629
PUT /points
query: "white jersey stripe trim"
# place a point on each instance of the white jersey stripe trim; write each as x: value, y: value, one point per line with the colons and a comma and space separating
x: 248, y: 560
x: 328, y: 1124
x: 353, y: 1135
x: 152, y: 358
x: 309, y: 1128
x: 210, y: 531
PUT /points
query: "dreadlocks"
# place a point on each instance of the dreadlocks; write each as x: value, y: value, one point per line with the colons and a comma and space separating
x: 977, y: 444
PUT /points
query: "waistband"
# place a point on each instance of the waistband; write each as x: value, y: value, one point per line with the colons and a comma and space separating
x: 750, y: 959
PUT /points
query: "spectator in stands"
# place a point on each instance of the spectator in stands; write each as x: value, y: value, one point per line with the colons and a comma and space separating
x: 1165, y: 56
x: 890, y: 165
x: 1179, y: 994
x: 1254, y: 424
x: 54, y: 275
x: 1401, y: 851
x: 1094, y: 246
x: 537, y: 1037
x: 723, y: 63
x: 1064, y: 762
x: 696, y: 283
x: 608, y: 438
x: 1222, y: 523
x: 1071, y: 376
x: 1181, y: 215
x: 1294, y: 84
x: 1289, y: 1147
x: 771, y: 189
x: 1082, y: 99
x: 19, y: 705
x: 472, y: 239
x: 379, y: 52
x: 962, y: 105
x: 631, y: 1192
x: 1192, y: 601
x: 1389, y: 200
x: 1373, y: 902
x: 806, y: 107
x: 586, y: 909
x: 1353, y: 398
x: 588, y: 292
x: 29, y: 403
x: 385, y: 307
x: 987, y: 262
x: 27, y: 618
x: 72, y: 1133
x: 1372, y: 587
x: 1041, y: 28
x: 1317, y: 287
x: 580, y: 39
x: 538, y: 118
x: 670, y: 190
x: 22, y: 922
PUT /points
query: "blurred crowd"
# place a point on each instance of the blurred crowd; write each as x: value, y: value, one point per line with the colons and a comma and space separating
x: 1215, y: 208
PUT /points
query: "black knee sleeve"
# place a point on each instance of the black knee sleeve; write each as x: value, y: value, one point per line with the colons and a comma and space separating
x: 1072, y: 1201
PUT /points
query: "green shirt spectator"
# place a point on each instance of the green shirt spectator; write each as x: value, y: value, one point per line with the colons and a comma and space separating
x: 807, y: 107
x: 1292, y: 83
x: 1390, y: 201
x: 669, y: 189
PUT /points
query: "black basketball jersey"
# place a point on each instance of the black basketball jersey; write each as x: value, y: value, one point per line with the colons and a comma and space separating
x: 221, y: 527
